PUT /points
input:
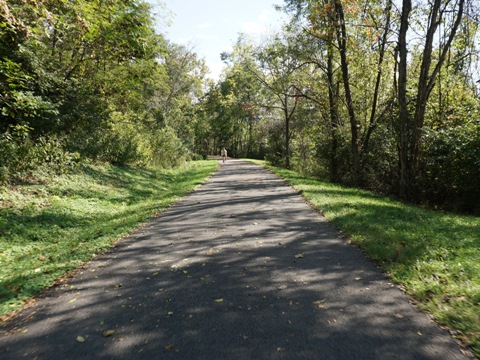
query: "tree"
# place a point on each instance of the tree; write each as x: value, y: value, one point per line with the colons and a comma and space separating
x: 343, y: 36
x: 278, y: 64
x: 387, y: 99
x: 97, y: 75
x: 450, y: 14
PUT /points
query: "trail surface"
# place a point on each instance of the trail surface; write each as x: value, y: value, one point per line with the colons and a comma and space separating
x: 242, y: 268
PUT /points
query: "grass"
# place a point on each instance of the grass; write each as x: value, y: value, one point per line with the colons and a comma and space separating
x: 53, y: 226
x: 434, y: 256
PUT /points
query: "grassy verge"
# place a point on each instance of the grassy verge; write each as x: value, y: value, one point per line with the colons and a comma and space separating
x: 435, y: 256
x: 54, y: 226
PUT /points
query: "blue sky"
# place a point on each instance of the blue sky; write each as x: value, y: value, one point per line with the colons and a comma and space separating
x: 212, y: 26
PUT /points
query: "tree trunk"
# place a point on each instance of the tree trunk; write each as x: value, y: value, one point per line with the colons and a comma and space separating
x: 287, y: 133
x: 426, y: 81
x: 332, y: 100
x: 402, y: 97
x: 381, y: 54
x: 354, y: 125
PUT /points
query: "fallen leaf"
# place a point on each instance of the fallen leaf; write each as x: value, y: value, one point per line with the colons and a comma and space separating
x: 168, y: 347
x: 299, y: 256
x: 170, y: 313
x: 219, y: 300
x: 399, y: 316
x: 73, y: 300
x: 282, y: 287
x: 80, y: 339
x: 107, y: 333
x: 319, y: 303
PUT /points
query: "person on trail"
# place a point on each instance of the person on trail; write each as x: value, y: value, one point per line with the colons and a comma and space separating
x: 224, y: 154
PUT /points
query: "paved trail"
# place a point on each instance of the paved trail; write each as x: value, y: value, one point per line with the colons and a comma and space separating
x: 240, y: 269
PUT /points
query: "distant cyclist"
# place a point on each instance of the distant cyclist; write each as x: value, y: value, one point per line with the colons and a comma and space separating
x: 224, y: 154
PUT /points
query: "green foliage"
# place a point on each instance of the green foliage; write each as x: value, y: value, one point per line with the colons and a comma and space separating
x: 96, y: 75
x: 276, y: 148
x: 452, y: 168
x: 21, y: 155
x: 340, y: 118
x: 433, y: 255
x: 167, y: 150
x: 50, y: 228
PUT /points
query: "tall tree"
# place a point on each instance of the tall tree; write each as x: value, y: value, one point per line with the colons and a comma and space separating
x: 278, y: 64
x: 446, y: 12
x: 402, y: 94
x: 344, y: 31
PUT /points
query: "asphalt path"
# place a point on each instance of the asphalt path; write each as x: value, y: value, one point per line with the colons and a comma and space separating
x: 242, y: 268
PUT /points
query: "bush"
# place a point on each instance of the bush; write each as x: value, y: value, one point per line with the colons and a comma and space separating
x: 166, y: 149
x: 451, y: 168
x: 21, y: 155
x: 198, y: 157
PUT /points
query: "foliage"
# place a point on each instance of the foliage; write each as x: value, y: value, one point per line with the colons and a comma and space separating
x: 96, y: 75
x: 50, y: 228
x: 453, y: 168
x: 432, y: 255
x: 329, y: 100
x: 21, y: 157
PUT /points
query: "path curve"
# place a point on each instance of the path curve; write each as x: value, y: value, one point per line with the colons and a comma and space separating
x: 242, y: 268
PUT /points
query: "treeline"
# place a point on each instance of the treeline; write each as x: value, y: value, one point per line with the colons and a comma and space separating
x: 92, y: 79
x: 379, y: 94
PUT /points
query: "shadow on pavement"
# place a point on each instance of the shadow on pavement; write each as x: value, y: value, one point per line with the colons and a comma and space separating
x: 240, y: 269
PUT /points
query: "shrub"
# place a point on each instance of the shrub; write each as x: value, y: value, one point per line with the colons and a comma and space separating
x: 21, y: 155
x: 166, y: 149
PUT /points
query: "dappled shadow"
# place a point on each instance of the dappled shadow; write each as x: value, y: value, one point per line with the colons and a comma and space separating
x: 240, y: 269
x: 37, y: 233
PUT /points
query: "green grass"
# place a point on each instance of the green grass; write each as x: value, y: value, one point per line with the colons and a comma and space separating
x: 51, y: 227
x: 434, y: 256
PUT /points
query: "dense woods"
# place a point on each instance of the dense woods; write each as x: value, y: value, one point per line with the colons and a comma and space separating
x: 375, y: 94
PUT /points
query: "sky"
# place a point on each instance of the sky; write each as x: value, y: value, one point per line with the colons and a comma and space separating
x: 212, y: 26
